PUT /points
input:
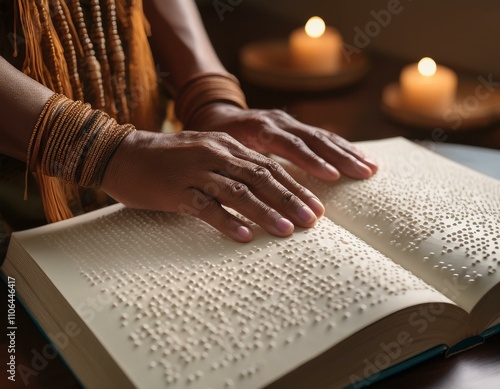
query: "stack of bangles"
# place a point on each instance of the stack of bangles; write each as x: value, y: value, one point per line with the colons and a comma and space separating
x: 203, y: 89
x: 73, y: 142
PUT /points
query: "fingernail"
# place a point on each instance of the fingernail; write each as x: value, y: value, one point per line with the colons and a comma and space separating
x: 284, y: 225
x: 316, y: 206
x: 244, y: 233
x: 306, y: 214
x: 363, y: 169
x: 332, y: 172
x: 373, y: 166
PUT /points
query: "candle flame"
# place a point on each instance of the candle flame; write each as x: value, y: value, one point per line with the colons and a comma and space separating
x: 427, y: 67
x: 315, y: 27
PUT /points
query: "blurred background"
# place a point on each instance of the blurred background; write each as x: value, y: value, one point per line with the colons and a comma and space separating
x: 460, y: 33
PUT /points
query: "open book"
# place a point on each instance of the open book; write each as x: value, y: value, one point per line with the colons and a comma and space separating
x: 404, y: 265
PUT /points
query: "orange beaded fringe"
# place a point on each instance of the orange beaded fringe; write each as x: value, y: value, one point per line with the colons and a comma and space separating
x: 97, y: 52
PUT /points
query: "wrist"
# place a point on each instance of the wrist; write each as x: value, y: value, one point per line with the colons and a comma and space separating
x: 121, y: 159
x: 211, y: 116
x: 204, y: 90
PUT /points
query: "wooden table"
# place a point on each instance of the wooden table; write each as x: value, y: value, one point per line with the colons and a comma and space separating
x: 353, y: 113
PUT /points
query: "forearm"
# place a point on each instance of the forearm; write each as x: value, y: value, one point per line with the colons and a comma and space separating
x: 21, y: 101
x: 179, y: 41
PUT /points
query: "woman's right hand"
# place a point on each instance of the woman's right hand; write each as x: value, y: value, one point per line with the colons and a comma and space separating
x: 197, y: 173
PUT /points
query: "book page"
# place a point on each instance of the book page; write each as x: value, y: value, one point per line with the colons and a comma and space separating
x: 435, y: 217
x: 175, y: 302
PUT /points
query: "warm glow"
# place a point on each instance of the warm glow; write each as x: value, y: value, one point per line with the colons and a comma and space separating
x: 315, y: 27
x: 427, y: 67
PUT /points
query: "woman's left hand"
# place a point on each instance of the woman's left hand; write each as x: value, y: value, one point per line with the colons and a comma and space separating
x: 319, y: 152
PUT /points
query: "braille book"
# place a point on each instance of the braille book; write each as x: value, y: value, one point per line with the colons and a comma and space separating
x: 404, y: 266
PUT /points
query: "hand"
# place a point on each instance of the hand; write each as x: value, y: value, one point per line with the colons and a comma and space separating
x: 319, y: 152
x: 197, y: 173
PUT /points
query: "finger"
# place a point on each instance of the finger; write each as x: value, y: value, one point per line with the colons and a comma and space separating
x: 320, y: 143
x: 206, y: 208
x: 347, y: 163
x: 351, y: 149
x: 263, y: 171
x: 253, y: 187
x: 237, y: 196
x: 294, y: 149
x: 314, y: 136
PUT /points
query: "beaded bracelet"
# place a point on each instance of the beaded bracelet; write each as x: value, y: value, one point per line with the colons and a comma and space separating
x: 206, y: 88
x: 73, y: 142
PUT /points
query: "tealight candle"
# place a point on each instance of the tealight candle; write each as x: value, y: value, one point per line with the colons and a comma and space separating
x: 316, y: 48
x: 428, y: 88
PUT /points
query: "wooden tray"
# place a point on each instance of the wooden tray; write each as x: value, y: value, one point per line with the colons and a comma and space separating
x: 268, y: 64
x: 459, y: 118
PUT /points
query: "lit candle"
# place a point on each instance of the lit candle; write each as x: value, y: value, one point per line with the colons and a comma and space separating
x: 316, y: 48
x: 427, y: 88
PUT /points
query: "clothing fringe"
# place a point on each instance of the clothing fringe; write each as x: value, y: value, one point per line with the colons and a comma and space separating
x: 98, y: 52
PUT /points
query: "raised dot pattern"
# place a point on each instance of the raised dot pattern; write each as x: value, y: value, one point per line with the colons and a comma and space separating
x: 211, y: 312
x: 422, y: 210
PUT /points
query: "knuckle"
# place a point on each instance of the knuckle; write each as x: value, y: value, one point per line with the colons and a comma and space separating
x: 319, y: 136
x: 260, y: 176
x: 277, y: 113
x: 302, y: 192
x: 201, y: 137
x: 280, y: 117
x: 231, y: 169
x: 272, y: 166
x: 297, y: 142
x: 264, y: 122
x: 224, y: 136
x: 237, y: 191
x: 287, y: 198
x: 215, y: 139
